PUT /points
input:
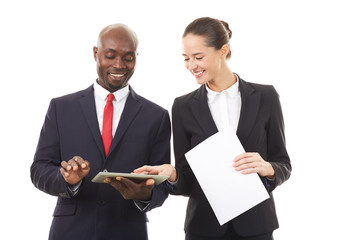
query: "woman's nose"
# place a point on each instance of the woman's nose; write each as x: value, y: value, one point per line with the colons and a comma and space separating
x: 191, y: 65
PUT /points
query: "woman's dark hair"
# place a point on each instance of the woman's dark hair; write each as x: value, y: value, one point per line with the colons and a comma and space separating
x: 217, y: 32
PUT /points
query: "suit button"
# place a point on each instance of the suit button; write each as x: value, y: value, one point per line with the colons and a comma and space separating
x: 63, y: 195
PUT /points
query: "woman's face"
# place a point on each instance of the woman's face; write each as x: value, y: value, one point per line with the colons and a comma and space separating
x: 202, y: 61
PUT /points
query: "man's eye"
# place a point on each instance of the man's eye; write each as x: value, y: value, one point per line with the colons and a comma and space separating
x: 186, y: 59
x: 110, y: 56
x: 129, y: 59
x: 199, y: 58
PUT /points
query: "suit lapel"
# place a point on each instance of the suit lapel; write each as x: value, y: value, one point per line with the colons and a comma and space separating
x: 250, y: 102
x: 131, y: 109
x: 201, y: 112
x: 87, y: 103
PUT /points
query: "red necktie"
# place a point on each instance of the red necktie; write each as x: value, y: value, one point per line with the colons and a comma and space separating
x: 107, y: 124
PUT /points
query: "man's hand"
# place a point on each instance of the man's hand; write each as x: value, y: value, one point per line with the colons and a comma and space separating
x: 75, y: 169
x: 253, y: 163
x: 131, y: 190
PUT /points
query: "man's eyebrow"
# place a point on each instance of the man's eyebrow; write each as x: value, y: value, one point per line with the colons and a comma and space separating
x: 126, y: 53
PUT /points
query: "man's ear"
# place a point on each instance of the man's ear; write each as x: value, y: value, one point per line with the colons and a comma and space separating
x: 95, y: 50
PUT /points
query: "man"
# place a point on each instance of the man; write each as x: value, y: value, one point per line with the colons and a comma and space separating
x: 76, y: 143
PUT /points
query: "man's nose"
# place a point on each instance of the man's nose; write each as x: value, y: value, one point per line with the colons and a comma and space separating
x: 118, y: 63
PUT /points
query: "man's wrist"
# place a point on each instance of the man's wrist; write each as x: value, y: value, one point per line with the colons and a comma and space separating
x: 74, y: 188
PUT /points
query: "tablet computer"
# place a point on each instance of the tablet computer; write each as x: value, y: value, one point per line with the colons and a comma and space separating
x: 100, y: 177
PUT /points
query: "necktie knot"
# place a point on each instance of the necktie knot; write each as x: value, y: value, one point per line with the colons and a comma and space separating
x: 110, y: 97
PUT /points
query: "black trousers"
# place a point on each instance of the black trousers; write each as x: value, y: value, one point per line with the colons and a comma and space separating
x: 231, y: 235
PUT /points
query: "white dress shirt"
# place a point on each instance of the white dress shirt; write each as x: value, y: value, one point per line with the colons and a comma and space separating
x: 225, y: 106
x: 101, y: 95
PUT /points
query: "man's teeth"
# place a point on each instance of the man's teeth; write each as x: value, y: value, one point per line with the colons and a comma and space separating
x: 198, y: 73
x: 117, y: 74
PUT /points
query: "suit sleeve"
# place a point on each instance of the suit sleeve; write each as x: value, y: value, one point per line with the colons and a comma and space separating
x: 277, y: 153
x: 160, y: 154
x: 45, y: 169
x: 182, y: 144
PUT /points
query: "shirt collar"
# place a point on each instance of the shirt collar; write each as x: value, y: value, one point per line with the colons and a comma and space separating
x: 103, y: 93
x: 232, y: 91
x: 210, y: 94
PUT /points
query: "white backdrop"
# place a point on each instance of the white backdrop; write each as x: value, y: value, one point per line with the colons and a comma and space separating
x: 309, y: 50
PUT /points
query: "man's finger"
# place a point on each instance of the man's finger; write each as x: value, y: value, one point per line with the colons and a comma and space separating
x: 150, y: 182
x: 108, y: 180
x: 66, y: 165
x: 127, y: 182
x: 81, y: 162
x: 64, y: 173
x: 74, y: 163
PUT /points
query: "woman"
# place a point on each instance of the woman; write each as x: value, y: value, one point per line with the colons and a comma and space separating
x: 225, y: 100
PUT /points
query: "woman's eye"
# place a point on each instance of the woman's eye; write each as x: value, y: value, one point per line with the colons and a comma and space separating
x: 199, y: 58
x: 186, y: 59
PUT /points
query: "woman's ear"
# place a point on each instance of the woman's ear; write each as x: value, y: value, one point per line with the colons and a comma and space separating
x: 225, y: 49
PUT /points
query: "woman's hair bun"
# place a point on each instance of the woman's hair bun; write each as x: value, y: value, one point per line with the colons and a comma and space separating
x: 226, y: 25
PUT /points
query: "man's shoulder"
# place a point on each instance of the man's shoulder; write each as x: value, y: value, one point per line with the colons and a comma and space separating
x: 74, y: 95
x: 151, y: 106
x: 146, y: 102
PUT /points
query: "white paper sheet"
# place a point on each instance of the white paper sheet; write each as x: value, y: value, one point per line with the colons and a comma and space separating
x: 229, y: 192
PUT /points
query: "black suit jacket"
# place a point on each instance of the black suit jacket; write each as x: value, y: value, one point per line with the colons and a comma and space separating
x: 71, y: 128
x: 260, y: 129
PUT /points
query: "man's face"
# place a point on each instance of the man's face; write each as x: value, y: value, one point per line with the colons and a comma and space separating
x: 115, y: 59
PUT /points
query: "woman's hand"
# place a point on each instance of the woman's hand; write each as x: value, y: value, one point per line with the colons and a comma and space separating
x: 164, y: 170
x: 253, y: 163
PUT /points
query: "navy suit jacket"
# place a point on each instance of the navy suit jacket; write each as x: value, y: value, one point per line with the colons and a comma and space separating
x: 260, y: 129
x: 70, y: 129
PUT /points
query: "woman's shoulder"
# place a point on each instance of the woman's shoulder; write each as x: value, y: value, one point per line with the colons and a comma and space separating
x: 184, y: 102
x: 196, y: 94
x: 257, y: 87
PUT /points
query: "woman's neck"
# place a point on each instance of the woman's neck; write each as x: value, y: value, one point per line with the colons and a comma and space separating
x: 222, y: 82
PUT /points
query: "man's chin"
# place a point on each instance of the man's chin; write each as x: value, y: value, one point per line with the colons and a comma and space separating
x: 114, y: 86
